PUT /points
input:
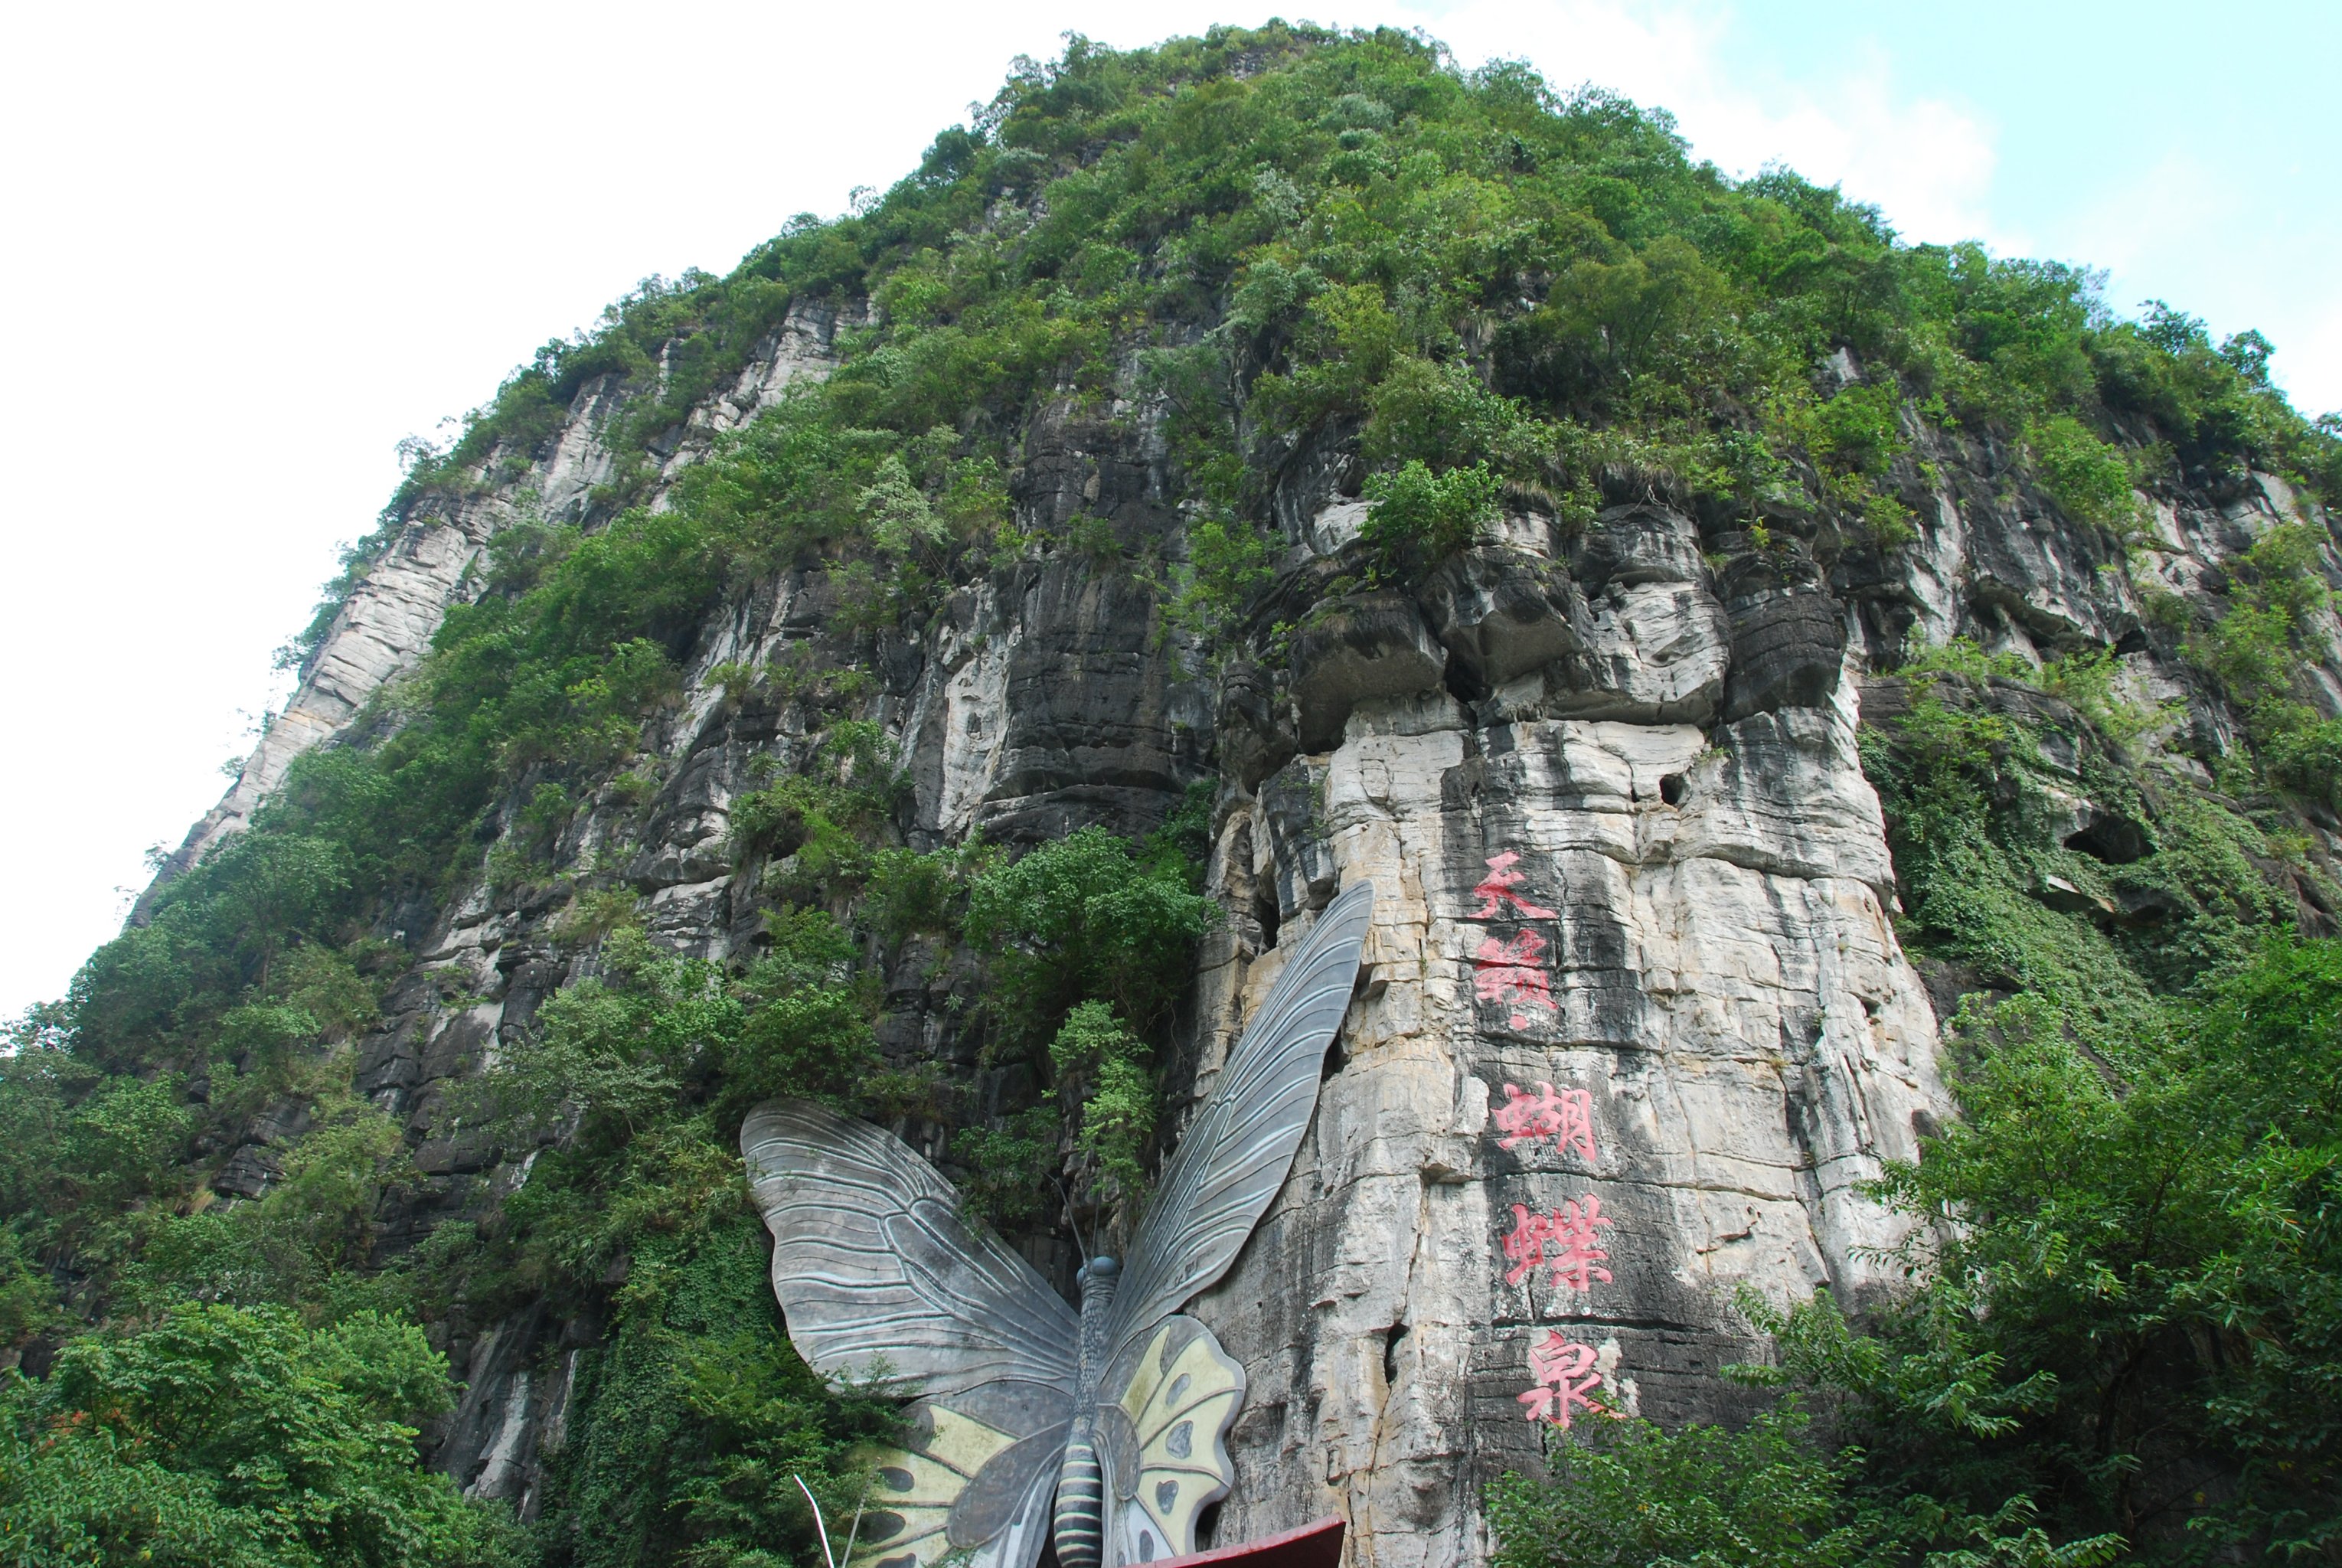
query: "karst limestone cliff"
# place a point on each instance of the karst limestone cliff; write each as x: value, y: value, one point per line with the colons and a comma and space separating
x: 1612, y: 793
x: 1742, y: 647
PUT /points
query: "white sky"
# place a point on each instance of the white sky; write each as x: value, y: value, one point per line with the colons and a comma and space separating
x: 251, y: 246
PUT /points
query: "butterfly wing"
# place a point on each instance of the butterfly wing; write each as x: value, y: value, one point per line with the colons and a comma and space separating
x: 872, y: 1262
x: 876, y: 1269
x: 1165, y: 1406
x: 974, y: 1478
x: 1240, y: 1146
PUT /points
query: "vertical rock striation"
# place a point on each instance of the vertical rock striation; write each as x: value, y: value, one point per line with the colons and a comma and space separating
x: 1607, y: 782
x: 1645, y: 866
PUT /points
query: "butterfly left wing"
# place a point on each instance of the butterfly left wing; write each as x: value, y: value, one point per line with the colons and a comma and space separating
x: 875, y: 1264
x: 971, y: 1483
x: 877, y: 1268
x: 1165, y: 1408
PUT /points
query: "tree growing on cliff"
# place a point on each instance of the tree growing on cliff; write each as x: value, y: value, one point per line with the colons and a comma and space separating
x: 232, y: 1437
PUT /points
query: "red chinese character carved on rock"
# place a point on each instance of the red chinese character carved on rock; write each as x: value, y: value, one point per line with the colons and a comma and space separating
x: 1497, y: 890
x: 1565, y: 1374
x: 1565, y: 1116
x: 1563, y: 1241
x: 1510, y: 972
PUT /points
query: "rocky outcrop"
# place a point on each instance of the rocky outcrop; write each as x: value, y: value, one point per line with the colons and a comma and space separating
x: 1634, y: 957
x: 1689, y: 928
x: 381, y: 630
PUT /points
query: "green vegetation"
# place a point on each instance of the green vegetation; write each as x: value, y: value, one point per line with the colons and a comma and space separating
x: 1766, y: 1496
x: 1105, y: 1064
x: 2123, y: 1335
x: 2275, y: 622
x: 2120, y: 1332
x: 2131, y: 1325
x: 1467, y: 294
x: 230, y: 1437
x: 1993, y: 879
x: 1088, y: 916
x: 2146, y: 1267
x: 698, y: 1413
x: 1435, y: 515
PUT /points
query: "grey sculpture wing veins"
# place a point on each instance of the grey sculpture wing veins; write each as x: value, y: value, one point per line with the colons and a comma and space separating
x: 1239, y: 1148
x: 872, y: 1263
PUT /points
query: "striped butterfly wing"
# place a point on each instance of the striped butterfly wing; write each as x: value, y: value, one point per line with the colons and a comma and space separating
x: 972, y: 1481
x: 876, y: 1270
x: 1165, y: 1408
x: 1239, y: 1148
x: 876, y: 1267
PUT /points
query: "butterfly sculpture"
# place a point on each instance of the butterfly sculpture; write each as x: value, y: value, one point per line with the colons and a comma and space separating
x: 1117, y: 1415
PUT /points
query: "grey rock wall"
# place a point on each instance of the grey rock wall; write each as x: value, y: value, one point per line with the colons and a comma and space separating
x: 1631, y: 871
x: 1607, y: 877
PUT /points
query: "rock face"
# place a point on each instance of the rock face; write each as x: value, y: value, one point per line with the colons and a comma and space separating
x: 1633, y: 1025
x: 1607, y: 886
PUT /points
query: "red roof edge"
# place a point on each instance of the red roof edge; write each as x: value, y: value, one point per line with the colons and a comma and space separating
x: 1317, y: 1544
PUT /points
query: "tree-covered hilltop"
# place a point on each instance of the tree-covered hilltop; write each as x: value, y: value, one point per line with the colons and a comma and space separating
x: 1276, y: 253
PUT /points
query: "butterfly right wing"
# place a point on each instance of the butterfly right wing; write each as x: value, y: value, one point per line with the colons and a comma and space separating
x: 876, y: 1268
x: 1239, y: 1149
x: 1165, y: 1408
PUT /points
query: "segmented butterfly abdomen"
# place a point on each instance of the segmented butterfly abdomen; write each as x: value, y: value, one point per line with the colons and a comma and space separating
x: 1080, y: 1520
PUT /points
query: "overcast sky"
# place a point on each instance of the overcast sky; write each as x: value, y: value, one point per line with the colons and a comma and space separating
x: 249, y: 247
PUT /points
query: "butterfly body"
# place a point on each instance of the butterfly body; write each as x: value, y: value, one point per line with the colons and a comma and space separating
x: 1079, y: 1520
x: 1104, y: 1430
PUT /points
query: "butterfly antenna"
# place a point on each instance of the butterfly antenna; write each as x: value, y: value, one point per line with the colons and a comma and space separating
x: 819, y: 1528
x: 1073, y: 1219
x: 855, y: 1532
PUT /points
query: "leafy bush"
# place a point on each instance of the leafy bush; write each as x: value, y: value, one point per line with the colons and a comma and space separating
x: 232, y: 1436
x: 1759, y: 1498
x: 2257, y: 646
x: 1102, y: 1067
x: 623, y: 1050
x: 309, y: 1236
x: 1765, y: 1496
x: 1010, y: 1166
x: 819, y: 824
x: 1436, y: 514
x: 694, y: 1417
x: 1853, y: 437
x: 1970, y: 804
x: 1964, y: 656
x: 1228, y: 562
x: 2125, y: 1286
x: 2088, y: 479
x: 2305, y: 756
x: 1086, y: 917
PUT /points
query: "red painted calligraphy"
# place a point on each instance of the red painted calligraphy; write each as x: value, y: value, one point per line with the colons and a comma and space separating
x: 1509, y: 972
x: 1564, y: 1375
x: 1565, y: 1116
x: 1497, y: 890
x: 1563, y: 1241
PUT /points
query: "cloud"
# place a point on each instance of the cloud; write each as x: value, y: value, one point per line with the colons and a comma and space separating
x: 1926, y: 162
x: 2308, y: 360
x: 2180, y: 230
